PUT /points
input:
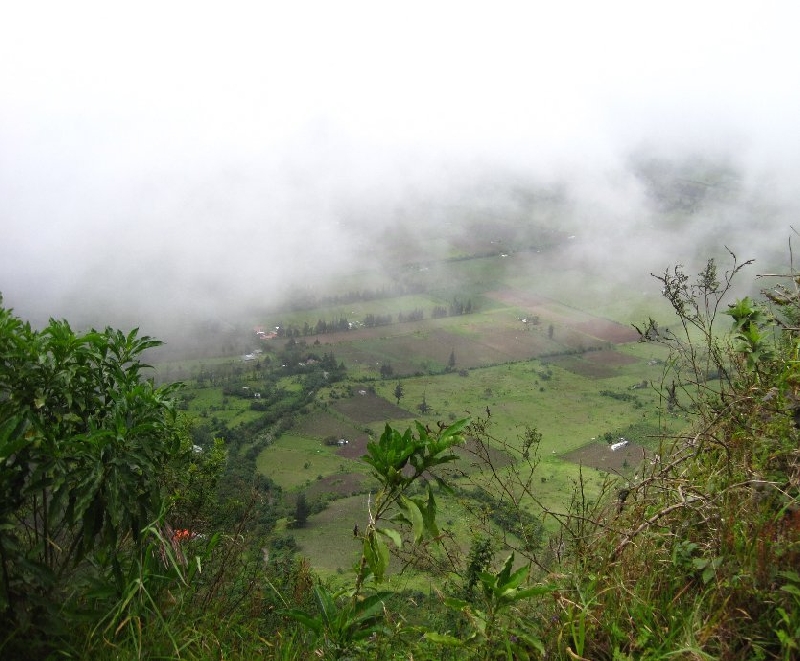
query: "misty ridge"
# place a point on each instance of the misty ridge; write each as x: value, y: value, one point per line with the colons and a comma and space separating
x: 222, y: 257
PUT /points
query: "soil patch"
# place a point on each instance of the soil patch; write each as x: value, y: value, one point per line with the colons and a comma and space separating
x: 592, y: 364
x: 608, y: 331
x: 365, y: 407
x: 602, y: 457
x: 321, y: 425
x: 355, y: 447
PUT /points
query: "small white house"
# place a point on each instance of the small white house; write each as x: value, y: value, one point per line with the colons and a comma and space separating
x: 623, y: 442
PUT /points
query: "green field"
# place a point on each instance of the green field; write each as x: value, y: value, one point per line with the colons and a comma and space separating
x: 543, y: 348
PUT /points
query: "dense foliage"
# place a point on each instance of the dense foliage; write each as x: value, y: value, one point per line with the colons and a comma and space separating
x: 84, y: 446
x: 119, y: 540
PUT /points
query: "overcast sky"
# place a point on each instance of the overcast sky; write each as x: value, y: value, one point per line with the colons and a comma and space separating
x: 159, y: 156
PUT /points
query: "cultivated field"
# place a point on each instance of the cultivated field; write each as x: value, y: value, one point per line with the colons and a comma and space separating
x: 536, y: 350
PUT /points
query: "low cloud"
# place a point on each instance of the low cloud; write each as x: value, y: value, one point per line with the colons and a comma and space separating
x: 174, y: 161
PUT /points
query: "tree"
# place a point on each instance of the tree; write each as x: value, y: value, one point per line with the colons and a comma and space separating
x: 399, y: 391
x: 84, y: 443
x: 386, y: 370
x: 672, y: 396
x: 451, y: 362
x: 301, y: 510
x: 423, y: 407
x: 550, y: 332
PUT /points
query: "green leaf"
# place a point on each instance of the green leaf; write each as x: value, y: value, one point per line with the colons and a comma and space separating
x: 504, y: 574
x: 536, y: 591
x: 791, y: 589
x: 428, y: 510
x: 326, y: 604
x: 383, y: 556
x: 376, y: 553
x: 12, y: 436
x: 391, y: 534
x: 313, y: 623
x: 442, y: 639
x: 513, y: 581
x: 456, y: 604
x: 455, y: 428
x: 371, y: 605
x: 415, y: 516
x: 790, y: 574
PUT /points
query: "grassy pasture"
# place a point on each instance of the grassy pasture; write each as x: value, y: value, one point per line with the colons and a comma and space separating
x: 295, y: 461
x: 544, y: 348
x: 230, y: 410
x: 328, y: 540
x: 567, y: 407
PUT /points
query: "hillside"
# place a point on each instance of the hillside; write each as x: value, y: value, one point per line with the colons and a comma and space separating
x: 531, y: 539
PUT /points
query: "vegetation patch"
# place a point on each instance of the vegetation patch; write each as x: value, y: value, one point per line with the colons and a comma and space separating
x: 609, y: 357
x: 577, y: 364
x: 295, y: 462
x: 327, y: 538
x: 473, y: 454
x: 339, y: 485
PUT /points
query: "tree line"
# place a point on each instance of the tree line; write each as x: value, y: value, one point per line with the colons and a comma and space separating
x: 454, y: 308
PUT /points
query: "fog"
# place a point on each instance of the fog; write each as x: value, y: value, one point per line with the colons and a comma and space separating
x: 182, y: 161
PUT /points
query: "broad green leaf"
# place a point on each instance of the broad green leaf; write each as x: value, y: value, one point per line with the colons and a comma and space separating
x: 325, y: 603
x: 515, y: 580
x: 429, y: 514
x: 791, y: 589
x: 399, y: 517
x: 376, y: 553
x: 371, y: 605
x: 12, y: 436
x: 527, y: 593
x: 505, y: 572
x: 367, y: 632
x: 382, y: 552
x: 455, y: 428
x: 536, y: 643
x: 313, y: 623
x: 391, y: 534
x: 456, y: 604
x: 415, y: 515
x: 790, y: 574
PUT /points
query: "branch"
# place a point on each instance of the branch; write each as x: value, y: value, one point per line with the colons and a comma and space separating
x: 629, y: 537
